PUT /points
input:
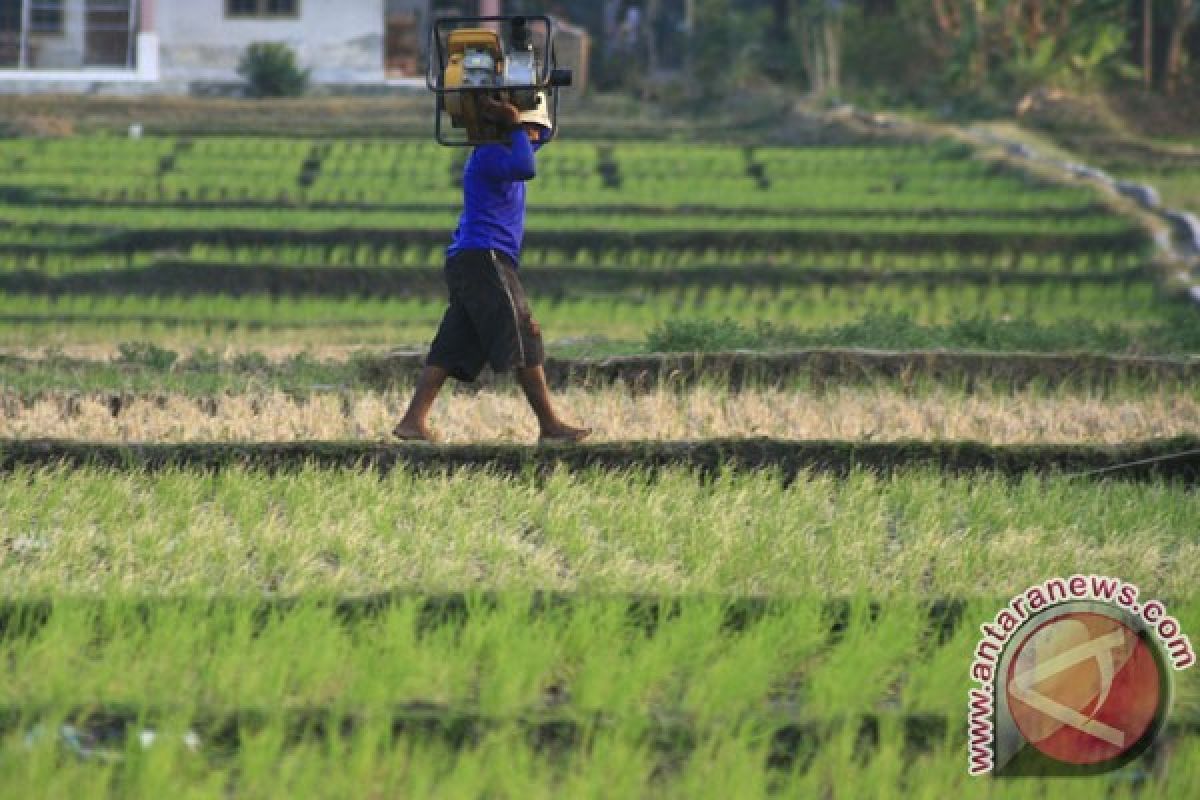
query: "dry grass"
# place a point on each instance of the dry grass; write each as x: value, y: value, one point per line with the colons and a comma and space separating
x: 851, y: 414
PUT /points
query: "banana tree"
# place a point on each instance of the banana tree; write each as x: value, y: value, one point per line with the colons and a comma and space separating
x: 1027, y: 42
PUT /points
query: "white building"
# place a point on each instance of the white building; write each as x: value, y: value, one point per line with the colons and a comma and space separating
x: 169, y: 45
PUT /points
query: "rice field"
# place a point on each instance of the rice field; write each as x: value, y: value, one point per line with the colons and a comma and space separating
x: 509, y: 763
x: 229, y: 170
x: 95, y: 532
x: 1178, y: 188
x: 391, y: 683
x: 626, y: 316
x: 884, y: 413
x: 340, y: 259
x: 592, y: 621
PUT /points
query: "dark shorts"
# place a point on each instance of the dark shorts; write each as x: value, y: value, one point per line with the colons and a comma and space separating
x: 488, y: 322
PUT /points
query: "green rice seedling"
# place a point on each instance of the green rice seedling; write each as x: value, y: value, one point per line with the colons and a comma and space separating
x: 95, y: 531
x: 876, y: 652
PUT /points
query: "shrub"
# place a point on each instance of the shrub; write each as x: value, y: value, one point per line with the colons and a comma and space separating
x: 202, y: 360
x: 699, y: 335
x: 1180, y: 333
x: 145, y: 354
x: 270, y: 69
x: 250, y: 362
x: 38, y: 126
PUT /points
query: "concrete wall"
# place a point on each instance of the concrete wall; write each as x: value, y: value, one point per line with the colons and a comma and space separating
x: 341, y: 40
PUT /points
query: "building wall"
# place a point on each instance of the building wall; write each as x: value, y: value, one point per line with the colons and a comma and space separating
x: 341, y: 40
x: 410, y: 6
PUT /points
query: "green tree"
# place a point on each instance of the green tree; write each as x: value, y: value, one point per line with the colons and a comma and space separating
x: 270, y: 69
x: 1186, y: 12
x: 726, y: 47
x: 818, y: 26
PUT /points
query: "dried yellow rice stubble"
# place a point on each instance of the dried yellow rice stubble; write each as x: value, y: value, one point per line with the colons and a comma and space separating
x: 867, y: 414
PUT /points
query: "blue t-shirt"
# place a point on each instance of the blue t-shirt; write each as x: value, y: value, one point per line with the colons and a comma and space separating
x: 493, y: 216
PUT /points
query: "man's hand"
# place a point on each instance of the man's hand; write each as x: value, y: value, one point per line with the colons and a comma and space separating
x: 505, y: 113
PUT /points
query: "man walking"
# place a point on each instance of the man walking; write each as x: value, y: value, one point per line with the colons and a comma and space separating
x: 489, y: 319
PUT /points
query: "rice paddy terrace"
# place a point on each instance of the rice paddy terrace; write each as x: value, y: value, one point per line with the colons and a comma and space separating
x: 848, y: 398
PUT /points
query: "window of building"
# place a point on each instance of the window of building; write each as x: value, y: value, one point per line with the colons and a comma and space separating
x: 46, y: 16
x: 262, y: 8
x: 10, y: 16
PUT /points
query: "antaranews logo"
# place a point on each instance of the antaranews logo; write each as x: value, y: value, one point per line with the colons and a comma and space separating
x: 1074, y: 678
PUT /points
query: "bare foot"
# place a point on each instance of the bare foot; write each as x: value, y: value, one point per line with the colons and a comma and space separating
x: 413, y: 433
x: 564, y: 434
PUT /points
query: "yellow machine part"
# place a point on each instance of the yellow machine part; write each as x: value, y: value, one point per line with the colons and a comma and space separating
x: 476, y: 38
x: 452, y: 80
x: 461, y: 106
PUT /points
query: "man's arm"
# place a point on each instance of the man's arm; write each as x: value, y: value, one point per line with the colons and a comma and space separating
x: 516, y: 163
